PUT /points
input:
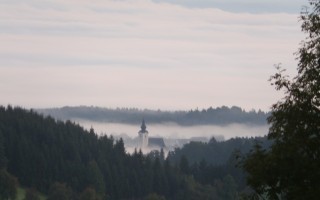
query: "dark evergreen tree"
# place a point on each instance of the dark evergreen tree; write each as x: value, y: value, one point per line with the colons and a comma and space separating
x: 229, y: 191
x: 8, y: 185
x: 31, y: 194
x: 3, y: 159
x: 215, y: 153
x: 89, y: 194
x: 154, y: 196
x: 184, y: 165
x: 59, y: 191
x: 43, y: 153
x: 96, y: 179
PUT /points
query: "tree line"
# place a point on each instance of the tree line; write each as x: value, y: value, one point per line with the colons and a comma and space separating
x: 217, y: 153
x: 212, y: 116
x: 64, y: 161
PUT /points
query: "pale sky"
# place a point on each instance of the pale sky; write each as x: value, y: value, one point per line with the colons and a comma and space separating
x: 161, y: 54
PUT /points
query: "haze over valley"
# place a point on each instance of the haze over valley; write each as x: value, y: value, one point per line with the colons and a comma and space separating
x: 175, y: 131
x: 159, y: 99
x: 176, y: 128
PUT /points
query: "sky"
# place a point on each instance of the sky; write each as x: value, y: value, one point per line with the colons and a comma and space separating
x: 155, y: 54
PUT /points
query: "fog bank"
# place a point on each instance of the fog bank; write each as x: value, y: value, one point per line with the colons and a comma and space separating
x: 174, y: 131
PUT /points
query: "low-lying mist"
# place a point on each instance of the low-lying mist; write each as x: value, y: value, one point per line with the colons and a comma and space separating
x: 175, y: 131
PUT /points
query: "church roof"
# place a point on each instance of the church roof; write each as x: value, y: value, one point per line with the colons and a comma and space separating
x: 156, y: 142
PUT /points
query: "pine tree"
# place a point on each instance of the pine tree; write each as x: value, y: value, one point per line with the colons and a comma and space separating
x: 3, y: 159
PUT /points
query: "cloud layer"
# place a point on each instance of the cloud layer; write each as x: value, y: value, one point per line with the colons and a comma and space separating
x: 249, y: 6
x: 140, y: 53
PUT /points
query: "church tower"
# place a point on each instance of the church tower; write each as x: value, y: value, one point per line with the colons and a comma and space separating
x: 143, y: 135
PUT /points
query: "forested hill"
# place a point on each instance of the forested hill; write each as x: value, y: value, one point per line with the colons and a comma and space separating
x: 64, y: 161
x: 211, y: 116
x: 217, y: 153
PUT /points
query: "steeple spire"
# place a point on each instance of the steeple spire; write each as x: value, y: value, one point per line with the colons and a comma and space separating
x: 143, y: 127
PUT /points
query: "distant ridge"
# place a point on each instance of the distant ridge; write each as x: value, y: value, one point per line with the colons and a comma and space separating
x: 212, y: 116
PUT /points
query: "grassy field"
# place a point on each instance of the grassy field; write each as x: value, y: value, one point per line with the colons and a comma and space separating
x: 21, y: 192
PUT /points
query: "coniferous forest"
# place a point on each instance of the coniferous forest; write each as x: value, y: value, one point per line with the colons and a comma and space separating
x: 60, y: 160
x: 64, y: 161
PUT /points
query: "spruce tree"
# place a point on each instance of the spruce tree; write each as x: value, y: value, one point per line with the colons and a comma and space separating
x: 3, y: 159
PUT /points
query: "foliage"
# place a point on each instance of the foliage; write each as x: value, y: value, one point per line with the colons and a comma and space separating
x: 31, y: 194
x: 290, y: 170
x: 215, y: 116
x: 3, y: 159
x: 213, y: 152
x: 63, y: 160
x: 211, y: 163
x: 89, y: 194
x: 8, y: 185
x: 154, y: 196
x: 59, y: 191
x: 96, y: 179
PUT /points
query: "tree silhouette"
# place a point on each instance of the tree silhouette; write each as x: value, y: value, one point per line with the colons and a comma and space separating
x: 290, y: 169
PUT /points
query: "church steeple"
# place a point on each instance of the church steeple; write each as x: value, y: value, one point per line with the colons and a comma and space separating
x: 143, y: 127
x: 143, y: 135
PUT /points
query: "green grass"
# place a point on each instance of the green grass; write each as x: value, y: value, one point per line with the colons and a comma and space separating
x: 21, y: 192
x: 42, y: 197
